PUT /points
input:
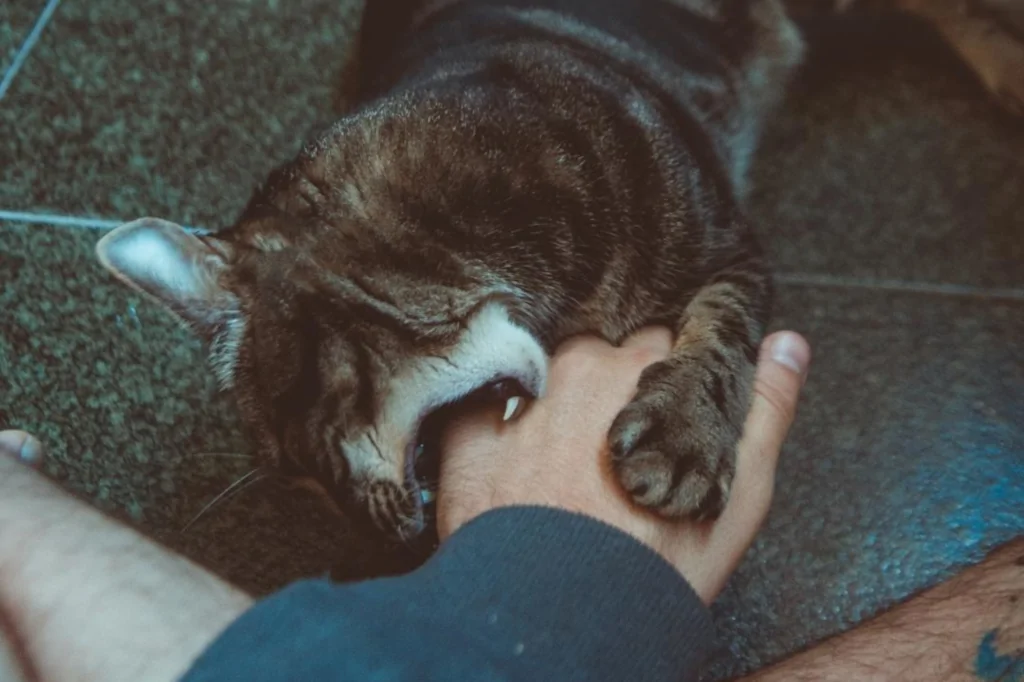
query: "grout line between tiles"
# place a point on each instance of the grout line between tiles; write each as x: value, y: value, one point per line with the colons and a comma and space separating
x: 61, y: 220
x: 30, y: 41
x: 791, y: 278
x: 72, y: 221
x: 899, y: 286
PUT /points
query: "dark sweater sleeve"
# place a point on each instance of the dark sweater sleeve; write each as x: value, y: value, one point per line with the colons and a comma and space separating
x: 522, y: 593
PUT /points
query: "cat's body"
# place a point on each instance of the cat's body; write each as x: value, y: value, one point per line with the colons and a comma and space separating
x: 520, y: 170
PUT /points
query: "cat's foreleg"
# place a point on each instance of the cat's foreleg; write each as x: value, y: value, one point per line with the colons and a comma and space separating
x: 674, y: 446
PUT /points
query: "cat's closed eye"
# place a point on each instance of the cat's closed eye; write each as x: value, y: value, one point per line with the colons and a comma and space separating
x: 582, y: 170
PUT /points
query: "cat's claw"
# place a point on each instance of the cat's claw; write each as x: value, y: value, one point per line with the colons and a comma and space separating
x: 672, y: 452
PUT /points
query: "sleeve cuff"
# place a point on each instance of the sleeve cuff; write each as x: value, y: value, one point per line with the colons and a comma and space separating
x: 520, y: 593
x: 578, y: 590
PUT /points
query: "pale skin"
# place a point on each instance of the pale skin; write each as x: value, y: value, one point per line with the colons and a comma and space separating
x: 934, y: 637
x: 85, y: 598
x: 555, y: 457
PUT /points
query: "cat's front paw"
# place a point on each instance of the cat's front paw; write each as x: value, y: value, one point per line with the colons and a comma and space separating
x: 674, y: 446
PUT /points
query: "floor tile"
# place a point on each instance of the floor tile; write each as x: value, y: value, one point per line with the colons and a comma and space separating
x: 905, y: 464
x: 908, y: 457
x: 121, y: 397
x: 889, y: 161
x: 170, y: 108
x: 16, y: 19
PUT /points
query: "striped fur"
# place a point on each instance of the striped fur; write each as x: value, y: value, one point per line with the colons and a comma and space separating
x: 515, y: 172
x: 549, y: 148
x: 587, y: 159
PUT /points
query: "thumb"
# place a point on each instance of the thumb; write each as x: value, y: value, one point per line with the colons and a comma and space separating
x: 22, y: 445
x: 781, y: 373
x: 785, y: 357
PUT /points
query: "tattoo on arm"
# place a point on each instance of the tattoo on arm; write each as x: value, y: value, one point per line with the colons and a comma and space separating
x: 991, y: 665
x: 967, y: 629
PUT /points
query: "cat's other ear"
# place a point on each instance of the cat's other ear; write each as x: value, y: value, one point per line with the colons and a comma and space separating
x: 173, y: 266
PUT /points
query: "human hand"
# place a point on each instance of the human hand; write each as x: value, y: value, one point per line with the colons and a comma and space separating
x: 85, y: 598
x: 556, y: 453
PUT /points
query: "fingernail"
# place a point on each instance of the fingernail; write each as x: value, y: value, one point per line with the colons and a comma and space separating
x: 25, y: 447
x: 791, y: 351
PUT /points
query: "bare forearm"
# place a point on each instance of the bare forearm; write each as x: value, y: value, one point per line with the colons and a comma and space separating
x: 967, y: 629
x: 70, y: 580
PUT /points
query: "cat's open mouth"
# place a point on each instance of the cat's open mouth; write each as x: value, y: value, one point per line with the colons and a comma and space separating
x: 423, y: 457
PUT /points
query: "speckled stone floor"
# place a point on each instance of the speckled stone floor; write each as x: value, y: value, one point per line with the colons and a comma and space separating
x: 890, y: 194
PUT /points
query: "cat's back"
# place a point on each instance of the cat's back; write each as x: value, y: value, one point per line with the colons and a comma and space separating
x: 717, y: 69
x: 662, y: 40
x: 549, y: 140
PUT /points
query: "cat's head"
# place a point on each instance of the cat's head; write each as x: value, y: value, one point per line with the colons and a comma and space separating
x: 334, y: 368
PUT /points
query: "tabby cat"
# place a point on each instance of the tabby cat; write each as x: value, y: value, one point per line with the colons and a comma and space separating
x: 516, y: 171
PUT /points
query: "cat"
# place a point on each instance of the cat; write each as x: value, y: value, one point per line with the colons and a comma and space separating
x: 515, y: 172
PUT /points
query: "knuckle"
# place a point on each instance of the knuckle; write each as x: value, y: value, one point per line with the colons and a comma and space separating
x: 776, y: 397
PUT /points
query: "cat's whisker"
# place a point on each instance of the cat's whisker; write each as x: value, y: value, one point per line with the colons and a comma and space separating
x: 405, y: 541
x: 237, y: 487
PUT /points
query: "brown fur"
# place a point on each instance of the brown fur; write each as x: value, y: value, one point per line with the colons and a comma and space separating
x: 512, y: 175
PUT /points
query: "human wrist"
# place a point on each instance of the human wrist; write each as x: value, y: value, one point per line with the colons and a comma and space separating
x: 597, y: 578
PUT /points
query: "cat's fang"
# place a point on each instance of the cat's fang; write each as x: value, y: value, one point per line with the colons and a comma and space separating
x: 513, y: 408
x: 427, y: 496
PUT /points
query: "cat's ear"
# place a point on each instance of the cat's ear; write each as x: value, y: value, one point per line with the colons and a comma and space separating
x: 173, y: 266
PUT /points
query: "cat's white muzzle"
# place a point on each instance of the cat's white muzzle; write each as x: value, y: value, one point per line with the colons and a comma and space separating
x: 492, y: 348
